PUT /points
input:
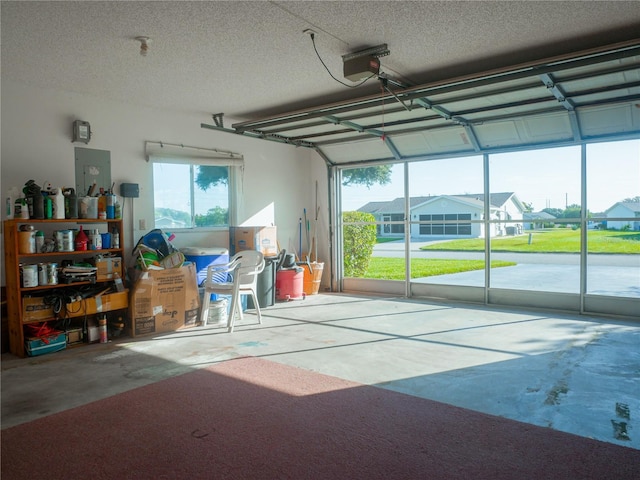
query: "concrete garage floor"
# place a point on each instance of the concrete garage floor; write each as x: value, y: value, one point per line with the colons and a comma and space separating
x: 571, y: 373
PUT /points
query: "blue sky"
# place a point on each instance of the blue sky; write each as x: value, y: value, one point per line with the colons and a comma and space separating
x: 545, y: 178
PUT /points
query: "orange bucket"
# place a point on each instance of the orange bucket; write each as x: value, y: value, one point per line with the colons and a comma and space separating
x: 312, y: 277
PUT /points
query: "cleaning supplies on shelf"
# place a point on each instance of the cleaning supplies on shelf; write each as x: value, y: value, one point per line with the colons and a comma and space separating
x: 58, y: 204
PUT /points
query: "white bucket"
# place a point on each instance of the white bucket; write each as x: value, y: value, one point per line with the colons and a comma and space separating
x: 218, y: 313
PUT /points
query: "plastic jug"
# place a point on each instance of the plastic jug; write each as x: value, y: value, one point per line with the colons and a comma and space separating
x: 70, y: 203
x: 81, y: 240
x: 58, y: 204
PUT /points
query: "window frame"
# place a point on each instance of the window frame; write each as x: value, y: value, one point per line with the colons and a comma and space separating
x: 159, y: 152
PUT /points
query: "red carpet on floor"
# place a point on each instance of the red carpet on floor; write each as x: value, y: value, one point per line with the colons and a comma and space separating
x: 255, y: 419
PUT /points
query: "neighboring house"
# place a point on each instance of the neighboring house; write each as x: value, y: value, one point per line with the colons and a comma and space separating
x: 624, y: 210
x: 536, y: 220
x: 167, y: 222
x: 466, y: 211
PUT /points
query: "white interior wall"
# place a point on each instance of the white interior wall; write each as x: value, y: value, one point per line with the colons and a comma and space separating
x: 279, y: 180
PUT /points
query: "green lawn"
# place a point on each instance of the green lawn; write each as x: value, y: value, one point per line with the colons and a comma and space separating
x: 393, y: 268
x: 388, y: 239
x: 557, y: 240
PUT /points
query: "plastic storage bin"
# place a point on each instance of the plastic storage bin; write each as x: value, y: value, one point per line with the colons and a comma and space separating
x: 203, y: 257
x: 52, y: 343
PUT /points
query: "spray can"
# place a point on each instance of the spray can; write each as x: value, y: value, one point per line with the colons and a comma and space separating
x: 102, y: 328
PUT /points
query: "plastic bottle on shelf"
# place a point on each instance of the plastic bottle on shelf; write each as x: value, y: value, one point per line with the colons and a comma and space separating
x: 102, y: 204
x: 115, y: 239
x: 22, y: 208
x: 12, y: 196
x: 95, y: 240
x: 36, y: 205
x: 81, y: 240
x: 111, y: 206
x: 39, y: 241
x: 70, y: 203
x: 58, y: 204
x: 48, y: 206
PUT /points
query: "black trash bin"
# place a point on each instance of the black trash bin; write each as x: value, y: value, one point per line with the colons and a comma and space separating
x: 265, y: 284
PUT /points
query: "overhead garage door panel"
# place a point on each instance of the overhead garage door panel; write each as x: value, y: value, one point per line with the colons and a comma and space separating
x: 524, y: 131
x: 609, y: 119
x: 450, y: 139
x: 590, y: 95
x: 363, y: 150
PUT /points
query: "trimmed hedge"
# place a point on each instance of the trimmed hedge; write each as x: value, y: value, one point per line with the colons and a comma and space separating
x: 358, y: 241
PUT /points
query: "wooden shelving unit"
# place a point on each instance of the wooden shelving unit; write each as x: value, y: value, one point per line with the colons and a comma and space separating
x: 16, y: 292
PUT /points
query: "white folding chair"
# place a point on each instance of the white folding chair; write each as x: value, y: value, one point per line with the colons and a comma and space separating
x: 245, y: 266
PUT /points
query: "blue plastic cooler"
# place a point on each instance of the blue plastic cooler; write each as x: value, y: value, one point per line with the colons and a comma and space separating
x: 203, y: 257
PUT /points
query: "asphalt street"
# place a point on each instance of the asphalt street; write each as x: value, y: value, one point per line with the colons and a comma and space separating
x: 611, y: 275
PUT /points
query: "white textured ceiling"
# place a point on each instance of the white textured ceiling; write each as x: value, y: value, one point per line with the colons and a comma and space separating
x: 251, y: 59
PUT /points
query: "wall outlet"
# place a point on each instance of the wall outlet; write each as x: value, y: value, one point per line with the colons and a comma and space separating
x: 142, y: 224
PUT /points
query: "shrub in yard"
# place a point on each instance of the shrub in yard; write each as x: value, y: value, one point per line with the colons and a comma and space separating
x: 358, y: 242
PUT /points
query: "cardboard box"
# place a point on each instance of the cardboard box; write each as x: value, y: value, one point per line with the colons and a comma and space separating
x: 107, y: 268
x: 164, y: 300
x: 34, y: 309
x: 49, y: 344
x: 98, y: 304
x: 75, y: 335
x: 263, y: 239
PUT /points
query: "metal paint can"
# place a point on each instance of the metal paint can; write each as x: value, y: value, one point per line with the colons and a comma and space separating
x: 29, y: 276
x: 52, y: 273
x: 42, y: 274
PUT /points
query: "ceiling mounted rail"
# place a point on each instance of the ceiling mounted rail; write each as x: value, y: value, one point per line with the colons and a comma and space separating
x: 553, y: 101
